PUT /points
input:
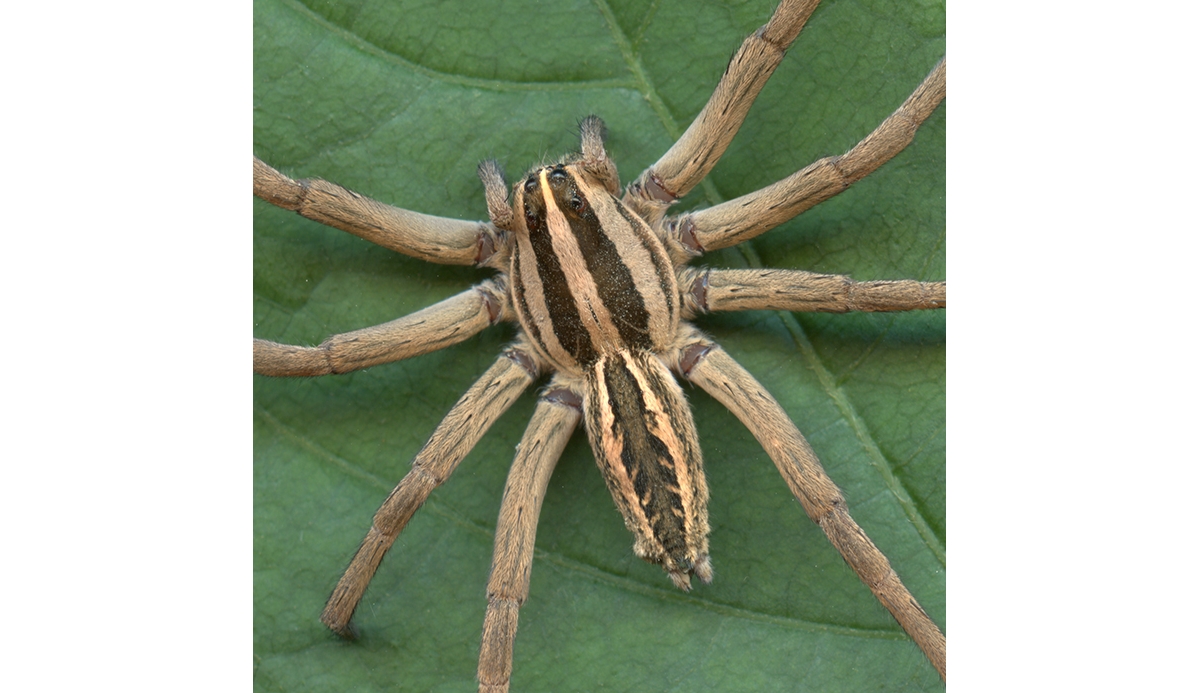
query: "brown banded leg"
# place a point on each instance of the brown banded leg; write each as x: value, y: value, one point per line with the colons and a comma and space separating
x: 707, y: 365
x: 710, y: 290
x: 441, y: 325
x: 695, y: 153
x: 454, y: 437
x: 743, y: 218
x: 556, y: 416
x: 436, y: 239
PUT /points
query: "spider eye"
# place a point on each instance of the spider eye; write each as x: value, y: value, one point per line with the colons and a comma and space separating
x: 558, y: 177
x: 577, y: 203
x: 531, y: 185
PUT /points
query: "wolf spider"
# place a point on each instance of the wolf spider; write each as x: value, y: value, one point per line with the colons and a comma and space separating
x: 462, y: 243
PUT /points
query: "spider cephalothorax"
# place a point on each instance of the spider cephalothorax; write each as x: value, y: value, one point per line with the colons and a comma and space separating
x: 599, y: 284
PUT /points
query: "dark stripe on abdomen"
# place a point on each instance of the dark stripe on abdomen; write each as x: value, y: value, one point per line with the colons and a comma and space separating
x: 646, y: 458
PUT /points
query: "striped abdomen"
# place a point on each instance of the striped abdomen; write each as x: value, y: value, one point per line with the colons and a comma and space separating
x: 642, y: 434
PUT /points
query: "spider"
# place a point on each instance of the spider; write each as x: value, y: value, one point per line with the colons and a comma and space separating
x: 371, y: 387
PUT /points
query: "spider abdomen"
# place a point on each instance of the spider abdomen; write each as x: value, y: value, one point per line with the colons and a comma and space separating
x: 589, y: 277
x: 644, y: 439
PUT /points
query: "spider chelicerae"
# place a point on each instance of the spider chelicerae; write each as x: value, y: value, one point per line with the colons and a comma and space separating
x: 713, y: 456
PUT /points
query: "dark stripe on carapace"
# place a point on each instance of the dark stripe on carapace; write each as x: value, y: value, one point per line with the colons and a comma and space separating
x: 646, y: 458
x: 614, y: 281
x: 560, y: 303
x: 662, y: 265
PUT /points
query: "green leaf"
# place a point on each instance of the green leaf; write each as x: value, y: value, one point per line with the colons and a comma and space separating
x: 399, y: 101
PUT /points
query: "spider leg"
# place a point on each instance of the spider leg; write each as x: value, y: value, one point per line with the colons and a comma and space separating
x: 690, y: 159
x: 714, y: 290
x: 441, y: 325
x: 709, y: 366
x: 743, y: 218
x: 436, y: 239
x: 556, y: 416
x: 454, y: 437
